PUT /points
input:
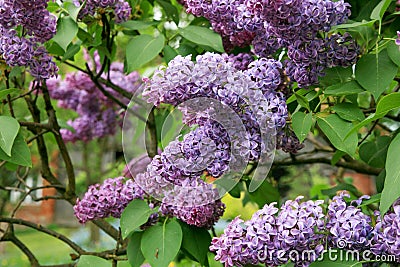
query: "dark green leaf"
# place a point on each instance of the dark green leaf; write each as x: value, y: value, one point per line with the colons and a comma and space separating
x: 302, y: 101
x: 265, y: 194
x: 386, y: 104
x: 336, y: 258
x: 301, y: 124
x: 161, y: 243
x: 203, y: 36
x: 170, y: 10
x: 374, y: 152
x: 196, y: 241
x: 169, y: 53
x: 9, y: 128
x: 336, y: 75
x: 336, y: 129
x: 347, y: 88
x: 67, y: 29
x: 142, y: 49
x: 380, y: 181
x: 20, y: 153
x: 134, y: 253
x: 373, y: 199
x: 138, y: 24
x: 380, y: 9
x: 349, y: 111
x: 133, y: 216
x: 391, y: 190
x: 375, y: 72
x: 331, y: 192
x: 394, y: 52
x: 5, y: 92
x: 92, y: 261
x: 71, y: 52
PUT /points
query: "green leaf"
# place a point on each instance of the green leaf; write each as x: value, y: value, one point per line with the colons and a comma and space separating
x: 386, y: 104
x: 21, y: 155
x: 142, y: 49
x: 373, y: 199
x: 170, y: 10
x: 374, y: 152
x: 9, y: 128
x: 394, y: 52
x: 380, y: 9
x: 134, y: 253
x: 347, y: 88
x: 169, y: 53
x: 349, y: 111
x: 302, y: 100
x: 380, y: 181
x: 73, y: 10
x: 202, y: 36
x: 337, y: 156
x: 391, y: 189
x: 161, y: 243
x: 71, y: 52
x: 336, y: 258
x: 335, y: 75
x: 5, y: 92
x: 265, y: 194
x: 353, y: 24
x: 92, y: 261
x: 67, y: 29
x: 336, y: 129
x: 196, y: 241
x: 134, y: 215
x: 375, y: 72
x: 331, y: 192
x: 138, y: 24
x: 301, y: 124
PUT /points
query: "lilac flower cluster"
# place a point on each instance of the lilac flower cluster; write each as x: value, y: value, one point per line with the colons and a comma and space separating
x: 121, y: 8
x: 274, y: 236
x: 107, y: 199
x: 24, y: 26
x: 269, y: 25
x: 268, y: 237
x: 98, y: 115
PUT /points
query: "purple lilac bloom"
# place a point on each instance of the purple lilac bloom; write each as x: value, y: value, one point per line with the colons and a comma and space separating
x: 121, y: 8
x: 27, y: 50
x: 98, y: 115
x: 398, y: 38
x: 107, y: 199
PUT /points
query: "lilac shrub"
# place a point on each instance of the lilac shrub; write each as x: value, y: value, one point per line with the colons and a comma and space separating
x: 98, y: 115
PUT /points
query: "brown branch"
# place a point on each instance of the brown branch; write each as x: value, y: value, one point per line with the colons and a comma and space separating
x: 353, y: 164
x: 51, y: 113
x: 42, y: 229
x: 151, y: 139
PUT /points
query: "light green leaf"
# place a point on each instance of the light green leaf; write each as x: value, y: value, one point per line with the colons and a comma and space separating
x: 142, y: 49
x: 21, y: 155
x: 5, y: 92
x: 391, y: 189
x: 92, y: 261
x: 134, y: 253
x: 353, y: 24
x: 373, y: 199
x: 67, y: 29
x: 134, y: 215
x: 73, y: 11
x: 203, y: 36
x: 380, y: 9
x: 336, y: 258
x: 161, y: 243
x: 9, y: 128
x: 375, y: 72
x: 347, y: 88
x: 349, y: 111
x: 336, y: 129
x: 138, y: 24
x: 302, y: 100
x: 301, y: 124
